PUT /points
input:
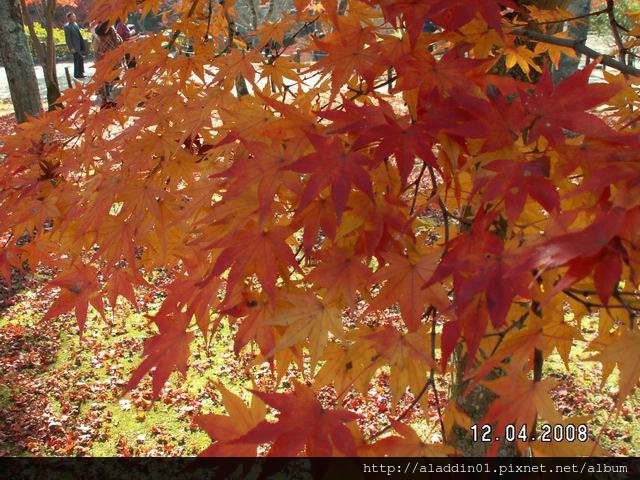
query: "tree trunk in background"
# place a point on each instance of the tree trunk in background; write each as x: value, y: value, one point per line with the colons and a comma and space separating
x: 577, y: 31
x: 46, y: 53
x: 51, y: 75
x: 18, y: 62
x: 254, y: 15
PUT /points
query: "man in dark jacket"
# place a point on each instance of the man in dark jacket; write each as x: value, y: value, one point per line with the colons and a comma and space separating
x: 76, y: 44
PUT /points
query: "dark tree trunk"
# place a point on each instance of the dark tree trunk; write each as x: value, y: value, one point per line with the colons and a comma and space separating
x: 18, y: 62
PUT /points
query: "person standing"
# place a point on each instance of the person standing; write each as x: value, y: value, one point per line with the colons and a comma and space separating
x: 126, y: 34
x: 76, y: 44
x: 105, y: 40
x: 123, y: 30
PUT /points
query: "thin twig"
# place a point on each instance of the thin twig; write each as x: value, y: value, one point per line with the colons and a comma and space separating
x: 415, y: 193
x: 432, y: 377
x: 177, y: 33
x: 290, y: 41
x: 613, y: 23
x: 206, y: 36
x: 589, y: 304
x: 430, y: 311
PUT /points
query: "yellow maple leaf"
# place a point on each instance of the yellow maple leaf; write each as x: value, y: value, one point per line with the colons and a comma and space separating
x: 555, y: 51
x: 624, y: 353
x: 521, y: 56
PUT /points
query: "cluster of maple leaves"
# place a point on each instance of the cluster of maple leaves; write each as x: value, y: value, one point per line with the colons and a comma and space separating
x: 398, y: 171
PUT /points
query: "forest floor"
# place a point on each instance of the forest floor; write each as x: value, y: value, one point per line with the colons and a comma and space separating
x: 7, y: 118
x: 63, y: 395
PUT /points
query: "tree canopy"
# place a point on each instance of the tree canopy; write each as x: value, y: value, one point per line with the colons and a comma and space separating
x: 402, y: 203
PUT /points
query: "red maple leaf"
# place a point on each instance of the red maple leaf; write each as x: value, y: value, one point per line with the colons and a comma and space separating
x: 566, y: 105
x: 165, y: 352
x: 332, y: 165
x: 401, y: 137
x: 516, y: 180
x: 303, y: 424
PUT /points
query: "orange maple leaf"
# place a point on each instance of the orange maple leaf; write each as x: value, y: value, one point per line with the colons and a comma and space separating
x: 79, y: 289
x: 223, y: 429
x: 303, y: 424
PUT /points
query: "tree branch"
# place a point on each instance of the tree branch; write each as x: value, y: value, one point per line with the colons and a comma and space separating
x: 580, y: 47
x: 613, y: 23
x: 571, y: 19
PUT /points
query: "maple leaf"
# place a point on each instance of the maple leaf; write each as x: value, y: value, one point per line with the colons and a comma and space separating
x: 407, y: 357
x: 414, y: 12
x: 332, y: 165
x: 307, y: 318
x: 277, y: 72
x: 400, y: 137
x: 164, y: 353
x: 198, y: 296
x: 452, y: 416
x: 260, y: 164
x: 303, y: 424
x: 404, y: 278
x: 453, y: 72
x: 349, y: 54
x: 409, y: 444
x: 275, y: 31
x: 555, y: 52
x: 254, y: 249
x: 340, y: 274
x: 79, y: 288
x: 625, y: 354
x: 121, y: 284
x: 496, y: 121
x: 490, y: 269
x: 520, y: 401
x: 566, y: 105
x: 456, y: 13
x: 256, y: 310
x: 10, y: 258
x: 317, y: 216
x: 521, y: 56
x: 558, y: 333
x: 223, y: 429
x: 517, y: 180
x: 348, y: 366
x: 580, y: 250
x: 236, y: 63
x: 518, y: 347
